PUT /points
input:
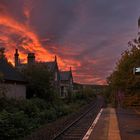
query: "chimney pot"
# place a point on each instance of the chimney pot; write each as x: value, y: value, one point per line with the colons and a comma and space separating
x: 16, y: 58
x: 31, y: 58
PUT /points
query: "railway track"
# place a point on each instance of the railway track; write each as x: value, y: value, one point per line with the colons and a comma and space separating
x: 78, y: 128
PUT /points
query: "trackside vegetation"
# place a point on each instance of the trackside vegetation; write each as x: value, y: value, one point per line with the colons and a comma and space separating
x: 124, y: 85
x: 20, y: 118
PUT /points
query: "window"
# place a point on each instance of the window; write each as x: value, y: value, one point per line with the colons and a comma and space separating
x: 56, y: 78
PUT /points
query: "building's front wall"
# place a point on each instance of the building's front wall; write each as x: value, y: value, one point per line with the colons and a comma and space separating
x: 66, y: 88
x: 14, y: 90
x: 56, y: 80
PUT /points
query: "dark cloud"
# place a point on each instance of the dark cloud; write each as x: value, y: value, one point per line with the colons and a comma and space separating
x: 13, y: 8
x: 53, y: 18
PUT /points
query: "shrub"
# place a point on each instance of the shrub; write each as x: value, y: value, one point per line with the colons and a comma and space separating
x: 63, y: 110
x: 51, y: 114
x: 13, y: 125
x: 19, y: 118
x: 86, y: 94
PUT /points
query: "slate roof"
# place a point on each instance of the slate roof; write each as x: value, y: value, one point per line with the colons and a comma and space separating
x: 9, y: 72
x: 51, y: 66
x: 65, y: 75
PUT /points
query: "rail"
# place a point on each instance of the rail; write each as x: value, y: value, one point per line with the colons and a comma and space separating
x: 75, y: 121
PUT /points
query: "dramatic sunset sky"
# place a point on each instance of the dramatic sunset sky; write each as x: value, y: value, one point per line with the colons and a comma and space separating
x: 88, y: 35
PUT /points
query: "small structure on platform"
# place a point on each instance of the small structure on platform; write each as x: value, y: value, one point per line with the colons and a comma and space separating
x: 66, y: 78
x: 13, y: 84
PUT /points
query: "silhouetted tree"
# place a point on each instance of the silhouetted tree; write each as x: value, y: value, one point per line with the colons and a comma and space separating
x: 39, y: 82
x: 123, y: 78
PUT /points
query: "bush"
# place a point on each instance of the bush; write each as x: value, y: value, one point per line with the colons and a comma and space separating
x: 63, y: 110
x: 51, y: 114
x: 85, y: 94
x: 19, y: 118
x: 13, y: 125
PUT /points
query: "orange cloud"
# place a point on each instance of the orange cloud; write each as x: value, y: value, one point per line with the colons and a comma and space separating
x: 31, y: 43
x: 23, y: 30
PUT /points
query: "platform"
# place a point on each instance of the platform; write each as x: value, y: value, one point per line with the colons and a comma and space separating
x: 129, y: 122
x: 106, y: 128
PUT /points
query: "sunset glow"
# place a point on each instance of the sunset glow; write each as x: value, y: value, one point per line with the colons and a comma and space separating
x: 78, y: 35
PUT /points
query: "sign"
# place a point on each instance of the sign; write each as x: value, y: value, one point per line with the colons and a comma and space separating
x: 136, y: 71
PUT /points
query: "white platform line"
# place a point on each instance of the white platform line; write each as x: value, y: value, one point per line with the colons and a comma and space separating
x: 92, y: 126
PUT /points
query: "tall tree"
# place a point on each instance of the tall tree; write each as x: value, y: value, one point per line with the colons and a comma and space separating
x: 122, y: 77
x: 39, y: 82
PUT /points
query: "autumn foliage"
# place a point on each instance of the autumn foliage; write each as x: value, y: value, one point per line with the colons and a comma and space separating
x: 123, y: 77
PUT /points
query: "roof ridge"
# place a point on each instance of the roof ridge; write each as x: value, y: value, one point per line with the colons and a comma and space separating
x: 9, y: 72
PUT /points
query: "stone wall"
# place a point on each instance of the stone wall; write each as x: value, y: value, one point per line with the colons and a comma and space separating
x: 16, y: 91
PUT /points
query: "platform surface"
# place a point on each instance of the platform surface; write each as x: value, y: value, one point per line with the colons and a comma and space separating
x: 107, y: 127
x: 129, y: 123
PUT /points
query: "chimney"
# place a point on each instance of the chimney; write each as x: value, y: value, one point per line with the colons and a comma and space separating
x: 31, y: 58
x: 70, y: 69
x: 16, y: 58
x: 55, y: 58
x: 2, y: 50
